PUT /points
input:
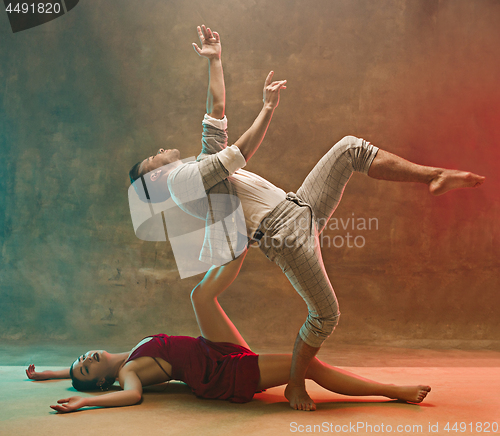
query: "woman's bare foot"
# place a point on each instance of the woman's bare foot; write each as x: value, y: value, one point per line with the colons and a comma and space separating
x: 411, y: 394
x: 298, y: 397
x: 447, y: 180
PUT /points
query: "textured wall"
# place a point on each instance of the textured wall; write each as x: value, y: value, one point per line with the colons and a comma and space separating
x: 84, y: 97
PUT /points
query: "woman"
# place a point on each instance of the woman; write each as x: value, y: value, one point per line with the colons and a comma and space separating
x: 219, y: 364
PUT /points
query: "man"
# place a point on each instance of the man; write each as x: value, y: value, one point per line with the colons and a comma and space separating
x: 287, y: 226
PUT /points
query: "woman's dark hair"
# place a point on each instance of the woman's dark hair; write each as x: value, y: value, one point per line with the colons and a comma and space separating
x: 90, y: 385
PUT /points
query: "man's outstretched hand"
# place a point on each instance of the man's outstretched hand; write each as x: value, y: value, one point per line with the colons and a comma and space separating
x: 272, y: 91
x: 210, y: 43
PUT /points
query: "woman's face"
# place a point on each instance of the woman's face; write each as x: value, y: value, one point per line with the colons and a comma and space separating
x: 92, y: 365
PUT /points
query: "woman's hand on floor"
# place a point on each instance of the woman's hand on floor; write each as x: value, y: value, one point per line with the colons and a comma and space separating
x: 70, y: 404
x: 33, y: 375
x: 46, y: 375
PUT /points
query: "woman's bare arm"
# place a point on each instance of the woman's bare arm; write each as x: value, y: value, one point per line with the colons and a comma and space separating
x: 46, y: 375
x: 131, y: 395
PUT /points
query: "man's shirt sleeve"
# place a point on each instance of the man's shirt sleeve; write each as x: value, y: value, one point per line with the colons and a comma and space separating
x: 215, y: 122
x: 232, y: 159
x: 214, y: 141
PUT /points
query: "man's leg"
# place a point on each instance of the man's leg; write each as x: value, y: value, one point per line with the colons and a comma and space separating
x: 296, y: 249
x: 295, y: 391
x: 387, y: 166
x: 322, y: 190
x: 323, y: 187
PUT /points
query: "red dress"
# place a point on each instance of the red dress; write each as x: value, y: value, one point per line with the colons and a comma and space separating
x: 211, y: 369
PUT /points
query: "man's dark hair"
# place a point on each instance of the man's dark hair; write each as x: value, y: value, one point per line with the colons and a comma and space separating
x: 159, y: 195
x: 134, y: 173
x: 90, y: 385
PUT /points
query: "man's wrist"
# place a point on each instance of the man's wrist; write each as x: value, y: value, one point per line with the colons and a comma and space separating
x: 268, y: 107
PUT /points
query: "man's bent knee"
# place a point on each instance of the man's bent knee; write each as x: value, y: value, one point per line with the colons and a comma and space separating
x: 349, y: 141
x: 316, y: 330
x: 361, y: 153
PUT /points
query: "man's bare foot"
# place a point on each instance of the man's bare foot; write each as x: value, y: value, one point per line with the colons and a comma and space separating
x: 298, y: 397
x: 411, y: 394
x: 454, y: 179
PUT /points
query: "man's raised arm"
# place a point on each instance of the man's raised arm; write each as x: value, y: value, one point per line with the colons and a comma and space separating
x: 211, y: 49
x: 250, y: 141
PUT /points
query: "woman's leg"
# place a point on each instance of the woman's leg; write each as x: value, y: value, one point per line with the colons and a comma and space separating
x: 274, y: 370
x: 213, y: 322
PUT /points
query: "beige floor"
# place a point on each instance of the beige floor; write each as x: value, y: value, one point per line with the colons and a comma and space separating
x: 465, y: 389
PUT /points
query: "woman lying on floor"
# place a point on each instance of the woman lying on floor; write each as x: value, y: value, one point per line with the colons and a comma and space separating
x: 219, y: 364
